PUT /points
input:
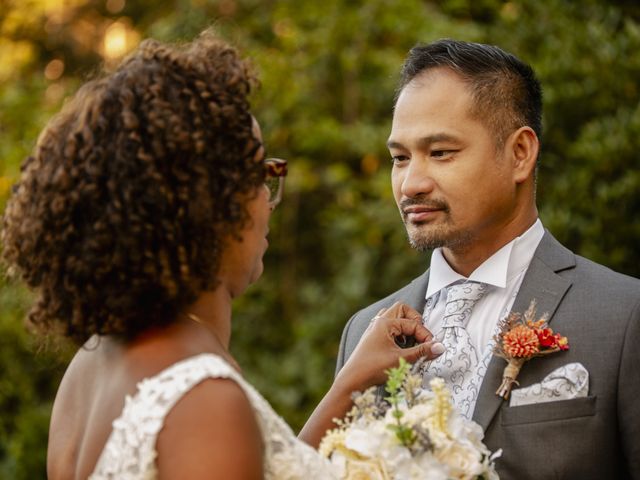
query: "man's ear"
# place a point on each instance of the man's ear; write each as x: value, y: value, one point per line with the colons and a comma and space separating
x: 523, y: 147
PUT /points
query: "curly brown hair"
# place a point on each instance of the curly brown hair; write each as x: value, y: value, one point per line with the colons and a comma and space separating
x: 121, y: 213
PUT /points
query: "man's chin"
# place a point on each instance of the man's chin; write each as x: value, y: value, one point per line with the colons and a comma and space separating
x: 423, y: 244
x: 423, y: 241
x: 428, y: 238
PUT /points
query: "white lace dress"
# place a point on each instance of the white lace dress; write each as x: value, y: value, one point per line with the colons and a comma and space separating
x: 130, y: 451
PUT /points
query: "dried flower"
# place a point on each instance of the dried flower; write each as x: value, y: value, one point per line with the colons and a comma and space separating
x: 522, y: 338
x: 546, y: 337
x: 521, y: 341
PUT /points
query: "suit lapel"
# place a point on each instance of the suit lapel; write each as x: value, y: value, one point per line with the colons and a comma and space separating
x: 542, y: 283
x: 415, y: 296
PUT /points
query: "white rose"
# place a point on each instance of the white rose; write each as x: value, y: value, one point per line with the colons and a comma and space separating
x: 418, y: 414
x: 427, y: 467
x: 366, y: 441
x: 462, y: 429
x: 372, y: 469
x: 286, y: 465
x: 339, y: 462
x: 397, y: 458
x: 464, y: 461
x: 422, y: 467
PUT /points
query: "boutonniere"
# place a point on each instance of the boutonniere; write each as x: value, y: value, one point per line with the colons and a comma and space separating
x: 522, y: 338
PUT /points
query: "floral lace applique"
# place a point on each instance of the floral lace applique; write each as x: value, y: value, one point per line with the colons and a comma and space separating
x: 130, y: 452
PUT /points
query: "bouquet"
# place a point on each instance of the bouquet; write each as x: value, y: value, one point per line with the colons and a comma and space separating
x: 412, y: 434
x: 521, y: 338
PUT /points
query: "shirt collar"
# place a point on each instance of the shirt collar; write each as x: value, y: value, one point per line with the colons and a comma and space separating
x: 503, y: 265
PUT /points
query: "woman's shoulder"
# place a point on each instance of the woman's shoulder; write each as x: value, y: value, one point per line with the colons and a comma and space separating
x: 204, y: 376
x: 224, y: 424
x: 190, y: 417
x: 213, y: 427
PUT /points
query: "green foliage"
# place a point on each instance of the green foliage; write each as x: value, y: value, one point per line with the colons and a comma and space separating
x: 585, y: 55
x: 394, y: 387
x: 30, y: 375
x: 328, y: 72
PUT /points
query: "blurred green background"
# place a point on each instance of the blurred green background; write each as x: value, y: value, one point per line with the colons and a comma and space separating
x: 328, y: 71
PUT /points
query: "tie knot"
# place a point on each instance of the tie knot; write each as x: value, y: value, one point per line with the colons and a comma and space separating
x: 471, y: 291
x: 461, y: 298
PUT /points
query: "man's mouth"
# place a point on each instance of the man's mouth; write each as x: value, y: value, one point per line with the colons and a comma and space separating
x: 417, y: 214
x: 421, y: 210
x: 421, y: 213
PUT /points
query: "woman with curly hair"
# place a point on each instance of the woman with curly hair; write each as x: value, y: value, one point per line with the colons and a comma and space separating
x: 139, y: 217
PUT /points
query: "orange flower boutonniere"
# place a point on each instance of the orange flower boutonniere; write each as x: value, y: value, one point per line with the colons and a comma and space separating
x: 521, y: 338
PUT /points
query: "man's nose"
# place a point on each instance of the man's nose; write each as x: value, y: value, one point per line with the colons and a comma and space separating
x: 417, y: 180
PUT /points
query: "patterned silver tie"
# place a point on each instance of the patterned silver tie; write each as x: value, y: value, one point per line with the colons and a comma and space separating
x: 457, y: 365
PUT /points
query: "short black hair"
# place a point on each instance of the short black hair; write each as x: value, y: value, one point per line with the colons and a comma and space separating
x: 505, y: 91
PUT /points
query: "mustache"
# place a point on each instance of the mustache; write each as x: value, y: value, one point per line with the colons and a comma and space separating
x: 433, y: 203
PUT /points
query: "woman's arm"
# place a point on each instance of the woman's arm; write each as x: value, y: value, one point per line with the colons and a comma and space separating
x: 376, y: 352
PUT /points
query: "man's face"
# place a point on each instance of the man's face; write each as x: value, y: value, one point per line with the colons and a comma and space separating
x: 453, y: 188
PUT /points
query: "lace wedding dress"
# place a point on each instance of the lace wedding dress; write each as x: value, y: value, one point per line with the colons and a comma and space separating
x: 130, y: 450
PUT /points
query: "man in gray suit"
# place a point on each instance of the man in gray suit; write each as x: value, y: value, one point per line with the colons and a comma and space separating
x: 464, y: 144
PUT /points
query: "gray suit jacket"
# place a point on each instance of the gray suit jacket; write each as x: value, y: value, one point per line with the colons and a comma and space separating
x: 598, y: 310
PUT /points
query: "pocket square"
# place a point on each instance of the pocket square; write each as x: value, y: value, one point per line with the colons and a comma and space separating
x: 564, y: 383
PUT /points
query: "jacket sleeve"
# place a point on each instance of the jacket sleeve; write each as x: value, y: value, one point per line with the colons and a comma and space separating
x: 342, y: 355
x: 628, y: 393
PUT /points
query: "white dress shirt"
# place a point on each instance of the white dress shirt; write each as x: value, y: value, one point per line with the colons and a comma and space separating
x: 504, y: 271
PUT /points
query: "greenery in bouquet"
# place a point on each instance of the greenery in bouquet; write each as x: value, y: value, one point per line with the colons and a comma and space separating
x: 413, y: 433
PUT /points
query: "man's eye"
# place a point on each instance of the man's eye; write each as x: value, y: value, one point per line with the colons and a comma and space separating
x: 399, y: 159
x: 442, y: 153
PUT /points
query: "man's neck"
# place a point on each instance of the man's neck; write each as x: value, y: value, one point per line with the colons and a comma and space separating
x: 466, y: 259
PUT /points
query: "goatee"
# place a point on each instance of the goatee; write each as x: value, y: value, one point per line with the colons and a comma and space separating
x: 425, y: 237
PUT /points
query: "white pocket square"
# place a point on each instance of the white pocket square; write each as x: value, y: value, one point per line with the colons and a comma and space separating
x: 564, y: 383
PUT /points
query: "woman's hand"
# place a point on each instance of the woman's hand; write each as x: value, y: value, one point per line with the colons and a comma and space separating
x: 378, y: 351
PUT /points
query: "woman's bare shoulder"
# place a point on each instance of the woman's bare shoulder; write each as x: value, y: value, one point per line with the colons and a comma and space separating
x: 211, y: 431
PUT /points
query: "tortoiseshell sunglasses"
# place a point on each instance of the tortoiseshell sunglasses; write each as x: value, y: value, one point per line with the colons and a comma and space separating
x: 276, y: 171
